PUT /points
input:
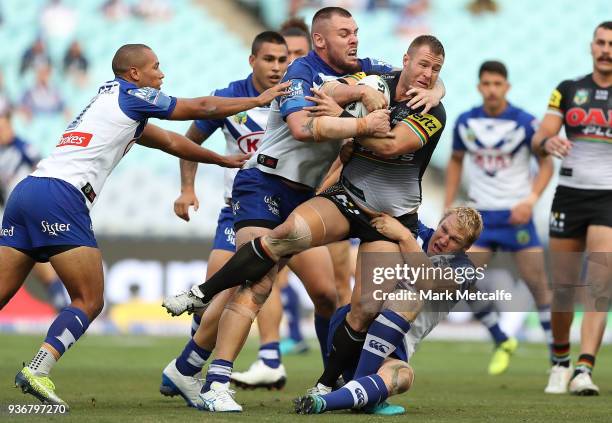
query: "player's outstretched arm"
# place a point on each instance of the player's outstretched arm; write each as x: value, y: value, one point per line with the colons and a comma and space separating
x: 179, y: 146
x: 212, y: 107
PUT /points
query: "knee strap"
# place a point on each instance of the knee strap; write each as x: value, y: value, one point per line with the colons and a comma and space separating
x: 298, y: 239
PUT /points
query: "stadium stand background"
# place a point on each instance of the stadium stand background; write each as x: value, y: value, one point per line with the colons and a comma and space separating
x: 200, y: 49
x: 541, y: 42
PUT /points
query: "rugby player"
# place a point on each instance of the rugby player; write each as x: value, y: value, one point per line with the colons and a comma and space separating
x: 494, y: 140
x: 242, y: 133
x: 581, y: 217
x: 393, y: 167
x: 396, y: 332
x: 314, y: 267
x: 17, y: 160
x: 288, y: 167
x: 47, y: 215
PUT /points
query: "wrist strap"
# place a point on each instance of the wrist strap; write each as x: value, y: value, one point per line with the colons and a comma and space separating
x: 543, y: 144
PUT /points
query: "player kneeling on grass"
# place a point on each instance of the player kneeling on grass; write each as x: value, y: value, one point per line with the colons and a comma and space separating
x: 382, y: 369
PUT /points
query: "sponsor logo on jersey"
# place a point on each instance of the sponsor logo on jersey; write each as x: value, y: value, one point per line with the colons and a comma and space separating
x: 54, y: 228
x: 577, y: 116
x: 295, y: 89
x: 601, y: 95
x: 7, y: 231
x: 150, y: 95
x: 423, y: 125
x: 492, y: 163
x: 76, y: 139
x: 378, y: 346
x: 230, y: 235
x: 267, y: 161
x: 248, y: 143
x: 240, y: 118
x: 581, y: 96
x: 88, y: 192
x: 273, y: 203
x: 555, y: 99
x: 360, y: 397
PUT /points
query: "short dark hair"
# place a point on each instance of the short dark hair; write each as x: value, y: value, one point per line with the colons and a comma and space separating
x: 604, y: 25
x: 432, y: 42
x: 296, y: 27
x: 266, y: 37
x: 493, y: 66
x: 328, y: 12
x: 127, y: 56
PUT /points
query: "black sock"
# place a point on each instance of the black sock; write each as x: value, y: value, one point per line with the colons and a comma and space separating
x: 344, y: 353
x: 250, y: 263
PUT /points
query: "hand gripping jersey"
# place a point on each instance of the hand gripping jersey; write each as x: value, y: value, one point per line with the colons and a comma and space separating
x: 498, y: 155
x: 17, y: 159
x: 102, y: 134
x: 393, y: 185
x: 586, y: 110
x: 279, y: 153
x: 242, y: 131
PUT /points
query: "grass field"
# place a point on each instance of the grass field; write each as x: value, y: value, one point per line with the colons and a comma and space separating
x: 107, y: 379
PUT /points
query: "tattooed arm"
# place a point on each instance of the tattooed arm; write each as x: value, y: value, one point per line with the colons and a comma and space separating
x: 328, y: 128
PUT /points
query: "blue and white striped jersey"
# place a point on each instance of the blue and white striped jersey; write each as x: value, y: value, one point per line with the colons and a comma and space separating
x: 498, y: 155
x: 279, y: 153
x: 95, y: 141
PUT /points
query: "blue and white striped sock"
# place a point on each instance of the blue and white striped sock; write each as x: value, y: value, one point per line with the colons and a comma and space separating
x: 359, y: 393
x: 192, y: 359
x: 67, y: 328
x: 218, y: 371
x: 270, y: 354
x: 384, y: 335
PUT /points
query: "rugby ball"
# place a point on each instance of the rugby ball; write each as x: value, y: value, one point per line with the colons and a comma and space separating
x: 357, y: 108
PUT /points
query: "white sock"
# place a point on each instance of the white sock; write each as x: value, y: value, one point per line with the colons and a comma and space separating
x: 42, y: 362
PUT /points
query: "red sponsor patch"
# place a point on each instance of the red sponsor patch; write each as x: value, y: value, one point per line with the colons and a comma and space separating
x: 77, y: 139
x: 248, y: 143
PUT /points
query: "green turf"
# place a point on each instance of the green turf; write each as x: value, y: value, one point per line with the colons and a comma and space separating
x: 116, y: 379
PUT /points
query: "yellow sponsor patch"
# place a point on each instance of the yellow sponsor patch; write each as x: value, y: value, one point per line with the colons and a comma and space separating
x: 357, y: 76
x: 555, y: 99
x: 429, y: 123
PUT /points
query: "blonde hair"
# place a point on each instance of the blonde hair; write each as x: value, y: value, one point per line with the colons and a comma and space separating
x: 468, y: 220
